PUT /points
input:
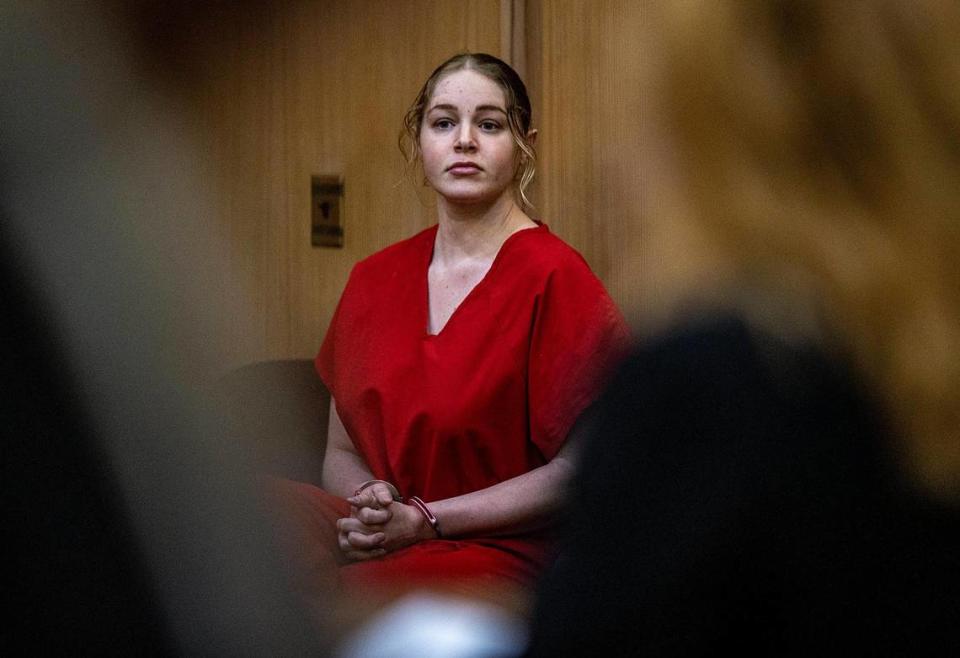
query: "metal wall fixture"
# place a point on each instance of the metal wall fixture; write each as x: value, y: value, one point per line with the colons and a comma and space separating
x: 326, y: 227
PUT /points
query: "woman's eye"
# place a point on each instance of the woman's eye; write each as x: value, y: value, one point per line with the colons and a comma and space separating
x: 443, y: 124
x: 489, y: 126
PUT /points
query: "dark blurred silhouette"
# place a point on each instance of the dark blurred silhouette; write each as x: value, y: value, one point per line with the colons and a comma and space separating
x: 130, y: 515
x: 738, y: 493
x: 776, y: 469
x: 77, y: 579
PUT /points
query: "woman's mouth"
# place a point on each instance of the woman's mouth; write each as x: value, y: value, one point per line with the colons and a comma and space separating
x: 463, y: 168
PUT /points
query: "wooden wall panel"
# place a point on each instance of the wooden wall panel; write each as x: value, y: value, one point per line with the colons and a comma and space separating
x: 299, y: 88
x: 293, y: 89
x: 583, y: 71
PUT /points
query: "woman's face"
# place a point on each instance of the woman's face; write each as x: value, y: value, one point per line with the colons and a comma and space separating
x: 469, y: 155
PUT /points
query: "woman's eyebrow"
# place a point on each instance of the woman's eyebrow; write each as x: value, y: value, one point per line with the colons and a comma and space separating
x: 480, y: 108
x: 494, y: 108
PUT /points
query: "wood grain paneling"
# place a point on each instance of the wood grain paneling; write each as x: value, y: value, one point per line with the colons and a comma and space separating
x: 294, y: 89
x: 583, y: 71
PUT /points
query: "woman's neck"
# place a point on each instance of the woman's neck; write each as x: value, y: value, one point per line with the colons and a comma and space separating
x: 476, y: 231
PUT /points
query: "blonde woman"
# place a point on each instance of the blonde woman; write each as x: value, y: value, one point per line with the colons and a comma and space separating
x: 457, y: 360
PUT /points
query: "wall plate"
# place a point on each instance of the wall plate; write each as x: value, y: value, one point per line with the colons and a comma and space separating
x: 326, y: 195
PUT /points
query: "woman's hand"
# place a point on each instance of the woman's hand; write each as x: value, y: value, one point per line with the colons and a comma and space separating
x: 378, y: 525
x: 361, y: 535
x: 375, y: 496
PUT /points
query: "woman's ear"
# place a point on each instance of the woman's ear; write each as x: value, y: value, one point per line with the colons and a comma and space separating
x: 532, y: 136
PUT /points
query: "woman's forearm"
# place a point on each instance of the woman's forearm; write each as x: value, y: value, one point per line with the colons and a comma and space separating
x: 343, y: 468
x: 343, y: 471
x: 522, y: 503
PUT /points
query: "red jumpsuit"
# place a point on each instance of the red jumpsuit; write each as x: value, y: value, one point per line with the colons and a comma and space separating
x: 491, y: 396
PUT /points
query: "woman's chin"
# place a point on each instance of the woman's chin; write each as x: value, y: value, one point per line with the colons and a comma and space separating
x: 472, y: 198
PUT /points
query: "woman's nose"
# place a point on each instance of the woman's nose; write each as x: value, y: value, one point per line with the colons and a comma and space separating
x: 465, y: 141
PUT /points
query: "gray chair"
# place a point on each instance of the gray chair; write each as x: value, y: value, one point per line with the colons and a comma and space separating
x: 279, y: 410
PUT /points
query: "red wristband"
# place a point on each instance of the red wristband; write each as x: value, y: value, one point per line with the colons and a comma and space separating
x: 431, y: 519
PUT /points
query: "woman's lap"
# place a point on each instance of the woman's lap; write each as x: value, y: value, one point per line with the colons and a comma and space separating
x: 308, y: 516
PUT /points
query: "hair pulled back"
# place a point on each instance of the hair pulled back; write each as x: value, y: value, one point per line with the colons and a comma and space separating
x: 519, y: 113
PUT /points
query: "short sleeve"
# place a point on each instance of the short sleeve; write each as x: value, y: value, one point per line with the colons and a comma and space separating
x: 578, y: 336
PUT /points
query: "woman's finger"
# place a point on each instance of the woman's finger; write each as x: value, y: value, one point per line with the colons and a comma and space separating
x: 364, y: 541
x: 382, y: 494
x: 375, y: 496
x: 353, y: 524
x: 372, y: 517
x: 365, y: 498
x: 353, y: 553
x: 350, y: 540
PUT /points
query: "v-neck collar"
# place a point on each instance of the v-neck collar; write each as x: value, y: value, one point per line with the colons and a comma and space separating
x: 425, y: 278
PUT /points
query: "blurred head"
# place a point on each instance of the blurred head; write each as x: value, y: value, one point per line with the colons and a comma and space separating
x: 517, y: 119
x: 810, y: 152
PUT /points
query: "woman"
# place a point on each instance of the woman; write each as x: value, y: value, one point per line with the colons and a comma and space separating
x: 794, y: 474
x: 459, y: 359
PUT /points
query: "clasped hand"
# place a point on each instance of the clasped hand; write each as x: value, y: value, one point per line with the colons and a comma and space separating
x: 378, y: 525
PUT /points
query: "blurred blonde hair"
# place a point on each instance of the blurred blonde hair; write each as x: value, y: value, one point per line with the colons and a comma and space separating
x: 812, y: 150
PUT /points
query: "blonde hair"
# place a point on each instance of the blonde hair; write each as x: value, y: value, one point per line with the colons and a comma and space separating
x: 519, y: 115
x: 817, y: 145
